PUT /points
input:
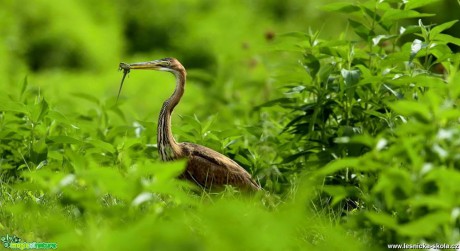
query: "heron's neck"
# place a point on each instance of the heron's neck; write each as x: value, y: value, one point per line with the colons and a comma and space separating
x: 167, y: 145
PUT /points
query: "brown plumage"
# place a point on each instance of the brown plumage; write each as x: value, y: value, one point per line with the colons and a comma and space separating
x: 205, y: 167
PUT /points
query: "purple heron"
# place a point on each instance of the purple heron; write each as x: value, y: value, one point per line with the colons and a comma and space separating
x: 205, y: 167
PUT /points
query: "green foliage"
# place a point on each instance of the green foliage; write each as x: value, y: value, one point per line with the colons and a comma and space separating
x: 354, y: 138
x: 381, y: 116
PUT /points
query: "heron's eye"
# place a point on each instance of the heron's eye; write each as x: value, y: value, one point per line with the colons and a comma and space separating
x: 168, y: 63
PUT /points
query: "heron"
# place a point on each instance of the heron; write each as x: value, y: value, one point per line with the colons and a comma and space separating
x: 207, y: 168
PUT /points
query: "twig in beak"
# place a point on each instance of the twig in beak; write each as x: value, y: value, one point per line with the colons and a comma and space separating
x: 125, y: 68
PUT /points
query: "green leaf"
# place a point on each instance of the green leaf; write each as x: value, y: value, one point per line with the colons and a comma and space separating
x: 39, y: 110
x: 119, y: 112
x: 412, y: 4
x: 447, y: 182
x: 394, y: 92
x: 364, y: 139
x: 419, y: 80
x: 440, y: 28
x: 395, y: 14
x: 448, y: 39
x: 23, y: 88
x: 59, y: 117
x: 394, y: 184
x: 63, y: 140
x: 372, y: 14
x: 296, y: 90
x: 351, y: 77
x: 101, y: 145
x: 410, y: 29
x: 312, y: 64
x: 325, y: 71
x: 431, y: 202
x: 425, y: 226
x: 338, y: 165
x: 167, y: 170
x: 382, y: 219
x: 412, y: 108
x: 11, y: 106
x: 109, y: 180
x: 339, y: 193
x: 362, y: 31
x: 208, y: 124
x: 39, y: 151
x: 376, y: 40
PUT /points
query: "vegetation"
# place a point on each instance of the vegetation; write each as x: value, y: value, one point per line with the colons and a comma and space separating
x: 355, y: 138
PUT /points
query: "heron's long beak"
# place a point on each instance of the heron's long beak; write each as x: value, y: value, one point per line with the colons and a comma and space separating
x: 150, y: 65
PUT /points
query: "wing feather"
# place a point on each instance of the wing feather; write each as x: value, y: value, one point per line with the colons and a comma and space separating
x: 210, y: 169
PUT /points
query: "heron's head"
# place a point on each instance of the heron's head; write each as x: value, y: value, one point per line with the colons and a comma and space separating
x: 166, y: 64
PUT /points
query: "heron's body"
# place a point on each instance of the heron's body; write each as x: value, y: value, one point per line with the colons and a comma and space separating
x: 205, y: 167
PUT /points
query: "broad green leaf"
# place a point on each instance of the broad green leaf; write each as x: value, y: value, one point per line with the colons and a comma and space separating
x: 382, y: 219
x: 296, y: 90
x: 338, y: 193
x: 412, y: 108
x: 425, y: 226
x: 325, y: 71
x: 442, y: 52
x: 440, y: 28
x: 63, y: 140
x: 101, y: 145
x: 351, y: 77
x: 364, y: 139
x: 57, y: 116
x: 338, y: 165
x: 430, y: 201
x: 312, y: 63
x: 360, y: 29
x: 371, y: 79
x: 395, y: 15
x: 372, y: 14
x: 210, y: 121
x: 448, y: 39
x: 394, y: 184
x: 410, y: 29
x: 168, y: 170
x: 419, y: 80
x: 119, y: 112
x: 123, y: 131
x: 109, y: 180
x: 447, y: 182
x: 11, y: 106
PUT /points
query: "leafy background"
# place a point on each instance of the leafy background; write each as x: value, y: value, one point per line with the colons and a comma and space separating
x: 345, y: 112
